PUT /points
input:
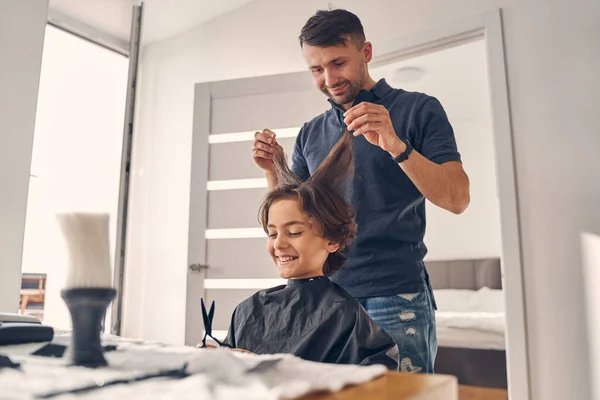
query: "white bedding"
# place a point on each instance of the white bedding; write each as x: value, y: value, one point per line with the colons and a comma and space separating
x: 470, y: 318
x: 469, y: 339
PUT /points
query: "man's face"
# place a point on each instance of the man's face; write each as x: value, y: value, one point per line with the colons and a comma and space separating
x: 339, y: 71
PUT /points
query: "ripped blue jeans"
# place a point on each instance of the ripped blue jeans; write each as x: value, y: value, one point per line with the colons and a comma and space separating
x: 410, y: 320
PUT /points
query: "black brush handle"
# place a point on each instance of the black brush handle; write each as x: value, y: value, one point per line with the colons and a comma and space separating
x: 87, y: 307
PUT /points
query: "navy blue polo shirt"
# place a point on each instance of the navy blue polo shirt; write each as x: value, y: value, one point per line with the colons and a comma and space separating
x: 386, y: 257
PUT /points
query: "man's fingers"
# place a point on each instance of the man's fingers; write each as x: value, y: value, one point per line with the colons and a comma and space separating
x: 358, y: 122
x: 263, y: 137
x: 256, y: 153
x: 361, y: 109
x: 262, y: 146
x: 268, y: 132
x: 267, y: 136
x: 355, y: 113
x: 359, y: 106
x: 367, y: 127
x: 365, y: 123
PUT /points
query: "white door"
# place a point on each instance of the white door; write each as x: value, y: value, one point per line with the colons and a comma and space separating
x: 227, y: 251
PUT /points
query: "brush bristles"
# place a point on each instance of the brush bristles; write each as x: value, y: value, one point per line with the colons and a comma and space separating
x: 86, y: 237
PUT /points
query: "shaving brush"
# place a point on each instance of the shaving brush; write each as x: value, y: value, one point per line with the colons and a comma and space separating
x: 88, y: 290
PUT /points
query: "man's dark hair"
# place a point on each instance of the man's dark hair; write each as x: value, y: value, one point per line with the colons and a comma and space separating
x: 332, y: 28
x: 320, y: 197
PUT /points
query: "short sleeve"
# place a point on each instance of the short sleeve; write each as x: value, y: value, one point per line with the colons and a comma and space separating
x: 435, y: 137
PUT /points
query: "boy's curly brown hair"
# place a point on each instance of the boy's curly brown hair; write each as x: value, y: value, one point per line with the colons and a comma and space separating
x: 321, y: 197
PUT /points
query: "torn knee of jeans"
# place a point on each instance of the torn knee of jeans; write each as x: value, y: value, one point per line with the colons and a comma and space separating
x: 407, y: 316
x: 406, y: 365
x: 410, y: 331
x: 408, y: 296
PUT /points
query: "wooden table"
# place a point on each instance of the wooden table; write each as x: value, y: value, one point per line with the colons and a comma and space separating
x: 480, y: 393
x: 397, y: 385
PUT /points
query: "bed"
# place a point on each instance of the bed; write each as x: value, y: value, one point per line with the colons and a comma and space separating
x: 470, y: 321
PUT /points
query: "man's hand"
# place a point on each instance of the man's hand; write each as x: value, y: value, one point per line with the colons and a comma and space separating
x: 265, y: 144
x: 374, y: 123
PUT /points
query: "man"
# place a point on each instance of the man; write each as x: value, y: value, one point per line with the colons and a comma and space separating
x: 405, y: 152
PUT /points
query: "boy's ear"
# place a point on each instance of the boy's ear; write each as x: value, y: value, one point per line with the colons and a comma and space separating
x: 332, y: 247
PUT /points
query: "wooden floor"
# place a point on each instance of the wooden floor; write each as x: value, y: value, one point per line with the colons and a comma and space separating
x: 479, y: 393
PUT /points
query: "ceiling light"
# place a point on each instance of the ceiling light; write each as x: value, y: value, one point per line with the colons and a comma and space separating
x: 408, y: 74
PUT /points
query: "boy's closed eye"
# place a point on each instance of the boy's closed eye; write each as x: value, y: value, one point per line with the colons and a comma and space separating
x: 291, y: 234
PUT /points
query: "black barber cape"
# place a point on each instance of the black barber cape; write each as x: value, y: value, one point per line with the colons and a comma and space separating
x: 314, y: 319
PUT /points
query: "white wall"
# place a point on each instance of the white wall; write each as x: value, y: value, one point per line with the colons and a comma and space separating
x: 552, y: 63
x: 22, y: 25
x: 476, y: 232
x: 458, y: 78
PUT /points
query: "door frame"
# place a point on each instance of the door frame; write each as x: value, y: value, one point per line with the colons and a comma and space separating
x: 486, y: 26
x: 114, y: 318
x: 194, y: 325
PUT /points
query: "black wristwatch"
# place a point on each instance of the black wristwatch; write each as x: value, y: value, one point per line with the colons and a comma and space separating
x: 405, y: 154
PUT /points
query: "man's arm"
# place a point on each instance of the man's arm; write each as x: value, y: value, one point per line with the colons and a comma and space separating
x: 445, y: 184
